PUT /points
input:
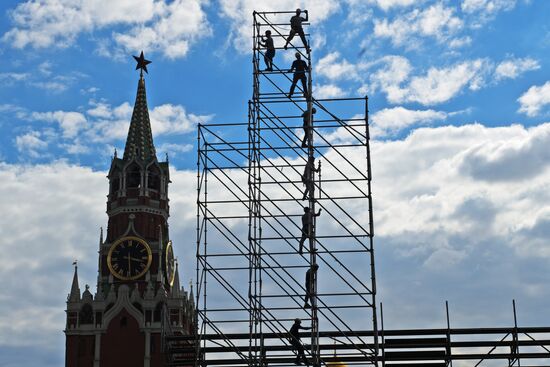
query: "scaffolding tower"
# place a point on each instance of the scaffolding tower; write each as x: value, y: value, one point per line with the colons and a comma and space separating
x: 285, y: 227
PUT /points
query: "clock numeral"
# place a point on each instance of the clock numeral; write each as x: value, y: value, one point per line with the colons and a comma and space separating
x: 130, y: 243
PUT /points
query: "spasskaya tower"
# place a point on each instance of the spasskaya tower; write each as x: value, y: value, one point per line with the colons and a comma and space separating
x: 138, y: 295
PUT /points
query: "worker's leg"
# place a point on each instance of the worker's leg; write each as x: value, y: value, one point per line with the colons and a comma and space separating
x: 290, y: 37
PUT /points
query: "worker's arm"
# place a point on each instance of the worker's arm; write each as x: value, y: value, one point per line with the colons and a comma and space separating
x: 318, y: 213
x: 307, y: 16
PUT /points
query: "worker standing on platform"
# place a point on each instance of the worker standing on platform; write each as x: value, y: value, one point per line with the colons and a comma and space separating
x: 296, y: 27
x: 307, y: 126
x: 296, y: 343
x: 267, y: 42
x: 299, y: 67
x: 312, y: 270
x: 307, y: 226
x: 308, y: 179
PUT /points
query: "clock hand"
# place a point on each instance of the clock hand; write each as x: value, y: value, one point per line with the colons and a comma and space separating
x: 133, y: 258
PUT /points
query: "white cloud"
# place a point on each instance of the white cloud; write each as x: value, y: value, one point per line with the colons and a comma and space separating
x: 391, y: 120
x: 435, y: 21
x: 45, y: 68
x: 31, y: 143
x: 172, y: 149
x: 103, y: 123
x: 174, y: 119
x: 512, y: 68
x: 179, y: 24
x: 166, y: 27
x: 393, y: 75
x: 33, y: 202
x: 328, y: 91
x: 394, y: 71
x: 437, y: 86
x: 487, y: 6
x: 55, y: 86
x: 11, y: 78
x: 535, y: 99
x: 111, y: 123
x: 440, y: 85
x: 482, y: 11
x: 43, y: 79
x: 460, y: 42
x: 71, y: 123
x: 239, y: 12
x: 388, y: 4
x: 330, y: 67
x: 359, y: 12
x: 520, y: 159
x: 425, y: 181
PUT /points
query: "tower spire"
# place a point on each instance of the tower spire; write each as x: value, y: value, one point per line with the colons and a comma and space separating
x: 74, y: 296
x: 176, y: 287
x: 139, y: 143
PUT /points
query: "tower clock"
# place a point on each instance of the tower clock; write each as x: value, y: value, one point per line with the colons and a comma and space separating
x: 129, y: 258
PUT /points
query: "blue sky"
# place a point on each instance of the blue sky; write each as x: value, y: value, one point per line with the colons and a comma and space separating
x: 459, y: 97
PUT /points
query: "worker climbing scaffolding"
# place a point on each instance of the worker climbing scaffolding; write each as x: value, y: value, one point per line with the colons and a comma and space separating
x: 308, y: 178
x: 267, y: 42
x: 307, y: 118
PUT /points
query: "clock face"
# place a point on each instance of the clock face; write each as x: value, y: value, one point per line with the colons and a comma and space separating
x: 129, y: 258
x: 170, y: 263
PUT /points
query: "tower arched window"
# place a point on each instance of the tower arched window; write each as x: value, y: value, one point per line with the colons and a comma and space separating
x: 133, y: 177
x: 115, y: 183
x: 153, y: 178
x: 86, y: 315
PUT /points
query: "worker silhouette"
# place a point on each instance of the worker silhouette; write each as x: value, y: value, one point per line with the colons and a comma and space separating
x: 299, y: 67
x: 308, y: 126
x: 295, y: 342
x: 267, y: 42
x: 307, y: 178
x: 312, y: 270
x: 307, y: 226
x: 296, y: 27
